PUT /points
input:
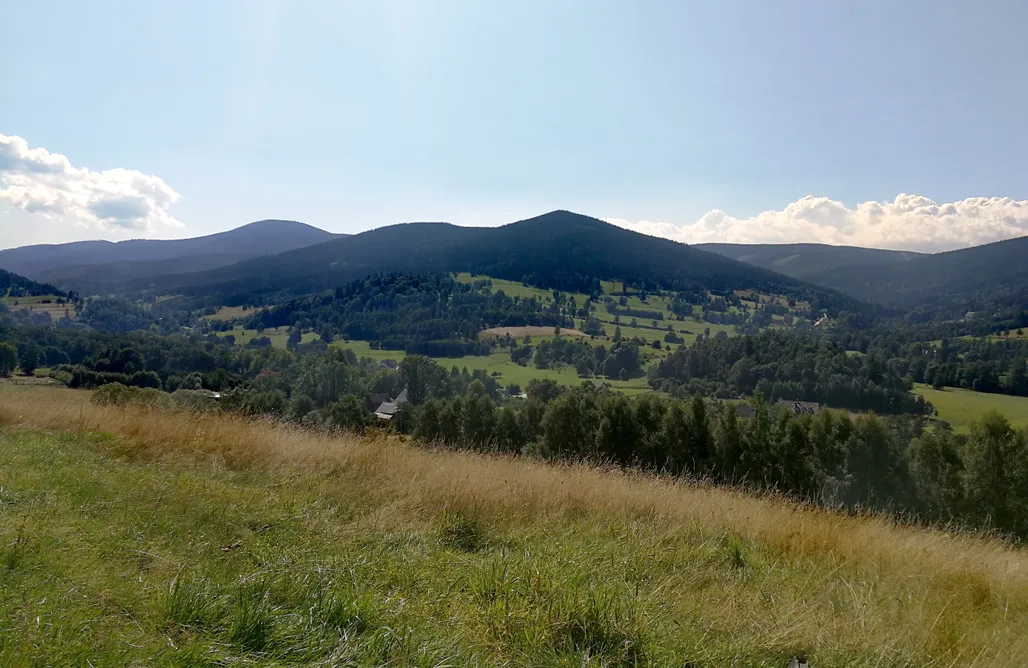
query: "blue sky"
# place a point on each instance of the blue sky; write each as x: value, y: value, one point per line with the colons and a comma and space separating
x: 698, y: 121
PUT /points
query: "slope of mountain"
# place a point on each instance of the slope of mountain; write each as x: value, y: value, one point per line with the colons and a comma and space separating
x: 993, y: 276
x: 805, y: 260
x: 74, y: 264
x: 19, y: 286
x: 560, y: 249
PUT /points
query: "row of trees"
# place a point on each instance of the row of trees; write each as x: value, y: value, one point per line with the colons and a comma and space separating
x: 830, y: 458
x: 783, y: 365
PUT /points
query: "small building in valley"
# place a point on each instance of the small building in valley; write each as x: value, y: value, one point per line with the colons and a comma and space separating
x: 387, y: 409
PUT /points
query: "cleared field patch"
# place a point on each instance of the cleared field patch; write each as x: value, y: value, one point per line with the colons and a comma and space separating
x: 279, y: 336
x: 233, y: 312
x: 519, y: 332
x: 41, y: 304
x: 961, y: 407
x: 515, y: 289
x: 178, y: 539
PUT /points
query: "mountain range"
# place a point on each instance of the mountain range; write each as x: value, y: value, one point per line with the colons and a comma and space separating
x: 274, y: 259
x: 559, y: 249
x: 806, y: 261
x: 75, y: 264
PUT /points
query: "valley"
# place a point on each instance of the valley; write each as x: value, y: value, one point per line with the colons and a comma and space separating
x: 476, y: 420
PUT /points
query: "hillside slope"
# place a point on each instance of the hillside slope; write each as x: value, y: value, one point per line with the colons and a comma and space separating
x: 249, y: 542
x: 993, y: 276
x: 559, y: 250
x: 75, y: 264
x: 805, y: 260
x: 11, y: 283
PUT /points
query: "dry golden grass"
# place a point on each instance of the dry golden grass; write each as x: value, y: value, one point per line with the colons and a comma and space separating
x: 871, y: 584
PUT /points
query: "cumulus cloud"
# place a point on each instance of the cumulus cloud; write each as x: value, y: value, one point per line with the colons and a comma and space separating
x: 910, y: 222
x: 114, y: 200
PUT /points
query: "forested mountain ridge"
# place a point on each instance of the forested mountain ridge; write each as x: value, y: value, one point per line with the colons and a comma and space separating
x: 560, y: 250
x: 805, y: 260
x: 13, y: 285
x: 87, y: 264
x: 989, y: 277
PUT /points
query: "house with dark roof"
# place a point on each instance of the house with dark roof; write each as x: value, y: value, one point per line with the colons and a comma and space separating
x: 387, y: 409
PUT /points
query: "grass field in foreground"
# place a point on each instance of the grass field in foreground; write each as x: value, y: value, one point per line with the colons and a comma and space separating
x: 174, y: 539
x: 961, y: 407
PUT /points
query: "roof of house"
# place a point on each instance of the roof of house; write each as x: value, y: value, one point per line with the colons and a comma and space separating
x: 386, y: 408
x: 401, y: 398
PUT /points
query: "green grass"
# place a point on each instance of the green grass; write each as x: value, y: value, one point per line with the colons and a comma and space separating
x: 499, y: 361
x: 231, y: 313
x: 279, y: 336
x: 961, y: 407
x: 129, y: 550
x: 36, y: 305
x: 515, y: 289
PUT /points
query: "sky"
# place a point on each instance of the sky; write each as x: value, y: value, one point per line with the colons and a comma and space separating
x: 885, y: 124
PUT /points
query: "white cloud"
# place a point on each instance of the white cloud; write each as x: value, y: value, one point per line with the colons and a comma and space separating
x: 911, y: 222
x: 115, y: 200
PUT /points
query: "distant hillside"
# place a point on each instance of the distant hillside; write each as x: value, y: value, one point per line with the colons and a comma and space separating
x: 18, y: 286
x: 75, y: 264
x: 993, y: 276
x: 560, y: 250
x: 805, y: 260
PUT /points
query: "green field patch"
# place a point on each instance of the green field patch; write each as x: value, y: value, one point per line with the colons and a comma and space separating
x: 279, y: 336
x: 226, y: 313
x: 35, y: 304
x: 961, y: 407
x: 515, y: 289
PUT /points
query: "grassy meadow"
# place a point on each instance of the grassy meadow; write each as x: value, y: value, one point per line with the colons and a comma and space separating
x: 226, y: 313
x: 279, y: 336
x: 36, y: 305
x: 148, y: 538
x: 961, y: 407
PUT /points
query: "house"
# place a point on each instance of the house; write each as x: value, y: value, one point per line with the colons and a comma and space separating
x: 389, y: 364
x: 387, y: 409
x: 802, y: 407
x: 599, y: 384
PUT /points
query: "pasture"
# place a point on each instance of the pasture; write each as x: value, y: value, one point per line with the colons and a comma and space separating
x: 960, y: 407
x: 37, y: 305
x: 226, y: 313
x: 279, y: 336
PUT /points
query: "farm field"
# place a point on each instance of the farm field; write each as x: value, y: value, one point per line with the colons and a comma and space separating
x: 515, y: 289
x: 36, y: 305
x: 231, y: 313
x: 960, y: 407
x: 279, y: 336
x: 499, y: 362
x: 161, y: 538
x: 520, y: 332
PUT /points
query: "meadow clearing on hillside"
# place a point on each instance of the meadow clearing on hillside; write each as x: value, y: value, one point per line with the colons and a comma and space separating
x: 499, y: 362
x: 519, y: 332
x: 279, y: 336
x: 233, y: 312
x: 35, y: 305
x: 172, y: 538
x: 961, y: 407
